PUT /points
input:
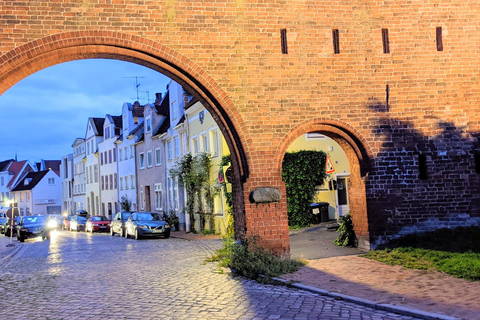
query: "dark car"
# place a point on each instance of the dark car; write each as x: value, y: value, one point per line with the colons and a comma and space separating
x: 97, y: 223
x: 77, y: 223
x: 146, y: 224
x: 2, y: 225
x: 16, y: 220
x: 118, y: 223
x: 54, y: 221
x: 32, y: 227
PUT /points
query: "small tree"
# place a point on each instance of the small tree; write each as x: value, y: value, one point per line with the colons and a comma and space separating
x: 125, y: 204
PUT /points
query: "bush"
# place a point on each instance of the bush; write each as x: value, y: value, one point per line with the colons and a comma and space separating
x: 346, y: 235
x: 254, y: 262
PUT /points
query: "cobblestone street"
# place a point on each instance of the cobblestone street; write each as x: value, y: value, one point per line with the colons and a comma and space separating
x: 85, y: 276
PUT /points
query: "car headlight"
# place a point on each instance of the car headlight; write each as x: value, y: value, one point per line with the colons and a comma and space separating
x: 52, y: 224
x: 24, y: 229
x: 167, y: 226
x: 143, y: 227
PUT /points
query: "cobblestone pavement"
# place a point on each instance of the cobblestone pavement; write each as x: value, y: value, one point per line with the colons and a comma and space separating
x: 85, y: 276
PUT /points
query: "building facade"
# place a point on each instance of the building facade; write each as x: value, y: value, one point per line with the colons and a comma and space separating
x: 67, y: 180
x: 93, y: 136
x: 79, y: 185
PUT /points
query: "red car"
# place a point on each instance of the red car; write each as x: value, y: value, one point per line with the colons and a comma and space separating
x: 97, y: 223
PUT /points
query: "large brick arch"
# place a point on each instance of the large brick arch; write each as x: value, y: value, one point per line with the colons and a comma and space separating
x: 42, y: 53
x: 359, y: 156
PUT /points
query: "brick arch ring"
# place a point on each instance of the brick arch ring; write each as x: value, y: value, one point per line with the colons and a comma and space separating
x: 337, y: 130
x: 36, y: 55
x: 358, y: 154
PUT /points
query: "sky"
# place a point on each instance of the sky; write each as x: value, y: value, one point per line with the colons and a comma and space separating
x: 42, y: 115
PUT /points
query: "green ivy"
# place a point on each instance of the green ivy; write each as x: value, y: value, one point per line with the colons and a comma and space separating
x: 302, y: 171
x: 346, y: 235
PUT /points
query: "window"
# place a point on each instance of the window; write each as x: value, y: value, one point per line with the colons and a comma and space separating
x: 184, y: 143
x: 28, y: 196
x: 111, y: 182
x: 125, y: 125
x: 336, y: 41
x: 27, y: 211
x: 132, y: 152
x: 107, y: 132
x: 148, y: 124
x: 109, y: 156
x: 204, y: 140
x: 158, y: 157
x: 103, y: 183
x: 51, y: 181
x: 149, y: 159
x: 142, y: 198
x: 214, y: 140
x: 142, y: 161
x: 121, y: 183
x: 114, y: 154
x: 88, y: 147
x: 101, y: 158
x: 126, y: 182
x: 439, y: 39
x: 21, y: 197
x: 176, y: 143
x: 2, y: 181
x: 126, y: 151
x: 115, y: 180
x: 132, y: 179
x: 95, y: 167
x: 170, y: 151
x: 91, y: 145
x: 158, y: 196
x: 385, y: 41
x: 283, y: 38
x: 120, y: 158
x: 174, y: 110
x: 195, y: 145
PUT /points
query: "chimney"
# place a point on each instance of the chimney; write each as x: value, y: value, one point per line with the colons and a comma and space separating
x: 158, y: 97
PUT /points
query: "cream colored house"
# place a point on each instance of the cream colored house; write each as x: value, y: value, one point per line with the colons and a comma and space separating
x: 334, y: 190
x: 205, y: 136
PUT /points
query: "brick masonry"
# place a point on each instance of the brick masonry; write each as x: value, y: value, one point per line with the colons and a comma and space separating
x: 384, y: 109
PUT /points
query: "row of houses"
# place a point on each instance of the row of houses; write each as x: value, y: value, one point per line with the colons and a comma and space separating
x: 30, y: 188
x: 125, y: 161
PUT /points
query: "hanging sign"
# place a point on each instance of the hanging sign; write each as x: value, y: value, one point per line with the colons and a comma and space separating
x: 330, y: 168
x: 221, y: 178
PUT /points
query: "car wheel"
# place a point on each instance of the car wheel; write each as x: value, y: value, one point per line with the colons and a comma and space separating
x: 167, y: 236
x: 7, y: 233
x: 20, y: 238
x: 137, y: 235
x: 122, y: 230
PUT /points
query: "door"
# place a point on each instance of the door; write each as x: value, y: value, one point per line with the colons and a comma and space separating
x: 342, y: 196
x: 147, y: 199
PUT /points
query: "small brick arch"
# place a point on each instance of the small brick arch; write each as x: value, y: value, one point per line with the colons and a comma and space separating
x: 358, y: 154
x: 29, y: 58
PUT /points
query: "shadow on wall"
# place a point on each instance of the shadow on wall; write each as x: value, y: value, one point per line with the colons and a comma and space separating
x: 420, y: 182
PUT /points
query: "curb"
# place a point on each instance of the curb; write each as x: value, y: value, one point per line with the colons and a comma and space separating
x: 11, y: 254
x: 369, y: 303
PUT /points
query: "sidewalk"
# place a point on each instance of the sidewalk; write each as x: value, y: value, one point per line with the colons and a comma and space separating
x: 7, y: 252
x: 369, y: 281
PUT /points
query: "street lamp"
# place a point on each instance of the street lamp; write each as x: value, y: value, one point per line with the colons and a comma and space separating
x: 11, y: 204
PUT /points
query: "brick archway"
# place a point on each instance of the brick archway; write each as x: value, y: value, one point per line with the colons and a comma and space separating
x: 29, y: 58
x: 358, y: 154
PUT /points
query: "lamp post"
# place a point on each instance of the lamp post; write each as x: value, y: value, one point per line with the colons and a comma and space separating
x: 12, y: 203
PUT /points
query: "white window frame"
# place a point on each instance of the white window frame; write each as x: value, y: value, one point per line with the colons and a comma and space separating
x: 204, y: 142
x: 176, y: 146
x: 195, y: 147
x: 170, y: 149
x: 158, y: 157
x: 148, y: 124
x: 215, y: 143
x: 158, y: 197
x: 141, y: 160
x: 149, y: 159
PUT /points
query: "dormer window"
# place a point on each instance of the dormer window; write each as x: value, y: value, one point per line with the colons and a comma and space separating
x: 107, y: 132
x: 148, y: 124
x: 27, y: 181
x: 125, y: 123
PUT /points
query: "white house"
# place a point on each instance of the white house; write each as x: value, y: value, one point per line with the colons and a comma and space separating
x: 93, y: 136
x: 132, y: 118
x: 11, y: 172
x: 39, y: 193
x: 79, y: 200
x: 107, y: 154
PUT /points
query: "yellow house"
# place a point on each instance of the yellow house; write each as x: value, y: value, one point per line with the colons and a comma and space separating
x: 204, y: 136
x: 334, y: 190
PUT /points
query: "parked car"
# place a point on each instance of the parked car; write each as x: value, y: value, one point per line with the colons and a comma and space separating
x: 54, y: 221
x: 146, y: 224
x: 66, y: 223
x: 2, y: 226
x: 97, y: 223
x: 16, y: 220
x: 77, y: 223
x: 32, y: 227
x: 118, y: 223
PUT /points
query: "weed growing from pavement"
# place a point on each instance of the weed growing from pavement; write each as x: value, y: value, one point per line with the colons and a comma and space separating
x: 254, y: 262
x: 453, y: 251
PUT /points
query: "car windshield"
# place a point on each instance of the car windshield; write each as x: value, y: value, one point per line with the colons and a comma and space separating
x: 102, y: 218
x: 81, y: 219
x: 148, y: 216
x: 126, y: 215
x: 33, y: 219
x: 55, y: 217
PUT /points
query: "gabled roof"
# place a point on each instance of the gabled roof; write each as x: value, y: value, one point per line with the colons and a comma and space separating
x: 117, y: 120
x: 35, y: 177
x: 139, y: 135
x: 191, y: 103
x: 98, y: 122
x: 53, y: 165
x: 137, y: 128
x: 163, y: 127
x: 163, y: 107
x: 16, y: 169
x: 4, y: 164
x: 182, y: 120
x: 137, y: 110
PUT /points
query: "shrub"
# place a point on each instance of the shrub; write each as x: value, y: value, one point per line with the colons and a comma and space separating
x: 346, y: 235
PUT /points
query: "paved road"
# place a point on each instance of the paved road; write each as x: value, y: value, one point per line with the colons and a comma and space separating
x: 85, y: 276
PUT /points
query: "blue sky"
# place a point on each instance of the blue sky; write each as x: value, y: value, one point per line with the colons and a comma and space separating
x: 42, y: 115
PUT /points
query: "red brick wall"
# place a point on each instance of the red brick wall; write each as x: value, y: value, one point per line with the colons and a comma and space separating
x: 229, y: 51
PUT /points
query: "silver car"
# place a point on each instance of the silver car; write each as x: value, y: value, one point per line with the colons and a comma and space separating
x: 146, y: 224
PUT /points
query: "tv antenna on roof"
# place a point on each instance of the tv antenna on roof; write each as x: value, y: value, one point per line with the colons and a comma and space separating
x: 136, y: 83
